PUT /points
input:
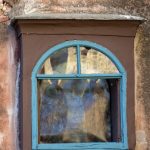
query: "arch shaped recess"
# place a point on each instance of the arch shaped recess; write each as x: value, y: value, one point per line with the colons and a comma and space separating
x: 80, y: 43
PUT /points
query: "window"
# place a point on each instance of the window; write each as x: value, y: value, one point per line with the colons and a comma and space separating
x: 78, y: 98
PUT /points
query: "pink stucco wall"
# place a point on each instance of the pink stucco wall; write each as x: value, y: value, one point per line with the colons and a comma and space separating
x: 8, y: 66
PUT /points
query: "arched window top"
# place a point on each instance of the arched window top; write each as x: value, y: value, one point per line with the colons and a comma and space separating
x: 78, y: 57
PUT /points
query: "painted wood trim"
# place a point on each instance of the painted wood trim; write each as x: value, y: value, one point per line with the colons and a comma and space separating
x: 78, y: 61
x: 81, y: 76
x: 84, y: 146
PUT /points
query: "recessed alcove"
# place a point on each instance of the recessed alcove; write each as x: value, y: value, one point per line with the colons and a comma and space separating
x: 80, y: 55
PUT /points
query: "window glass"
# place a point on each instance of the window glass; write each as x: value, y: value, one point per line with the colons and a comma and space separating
x: 93, y: 61
x: 74, y: 110
x: 61, y: 62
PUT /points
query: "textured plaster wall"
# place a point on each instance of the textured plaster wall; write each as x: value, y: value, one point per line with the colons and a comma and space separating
x: 4, y: 96
x: 10, y: 8
x: 6, y: 102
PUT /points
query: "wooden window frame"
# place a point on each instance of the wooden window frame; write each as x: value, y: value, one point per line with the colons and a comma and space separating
x: 123, y: 144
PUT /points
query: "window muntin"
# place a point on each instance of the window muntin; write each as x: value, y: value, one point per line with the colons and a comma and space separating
x: 118, y: 143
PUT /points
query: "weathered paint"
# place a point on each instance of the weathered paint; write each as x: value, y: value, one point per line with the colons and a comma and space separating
x: 142, y: 57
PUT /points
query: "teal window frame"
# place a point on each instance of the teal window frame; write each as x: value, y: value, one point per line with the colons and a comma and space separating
x: 123, y: 144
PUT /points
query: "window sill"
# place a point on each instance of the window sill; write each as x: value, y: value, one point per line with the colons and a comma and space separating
x: 77, y: 146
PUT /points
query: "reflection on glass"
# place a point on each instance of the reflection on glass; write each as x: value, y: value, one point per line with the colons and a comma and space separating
x: 93, y: 61
x: 76, y: 110
x: 61, y: 62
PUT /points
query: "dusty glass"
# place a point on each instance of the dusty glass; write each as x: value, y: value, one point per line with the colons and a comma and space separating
x: 74, y: 110
x: 61, y: 62
x: 93, y: 61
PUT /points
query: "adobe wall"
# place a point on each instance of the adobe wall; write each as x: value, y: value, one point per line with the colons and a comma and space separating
x: 8, y: 65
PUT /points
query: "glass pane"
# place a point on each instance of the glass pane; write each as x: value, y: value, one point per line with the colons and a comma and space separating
x: 114, y: 88
x: 61, y: 62
x: 93, y: 61
x: 76, y: 110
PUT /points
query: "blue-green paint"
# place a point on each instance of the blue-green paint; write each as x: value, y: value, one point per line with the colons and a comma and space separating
x: 78, y: 60
x: 74, y: 76
x: 34, y: 114
x: 84, y: 146
x: 121, y: 75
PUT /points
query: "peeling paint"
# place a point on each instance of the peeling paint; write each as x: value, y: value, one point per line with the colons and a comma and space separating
x: 128, y: 8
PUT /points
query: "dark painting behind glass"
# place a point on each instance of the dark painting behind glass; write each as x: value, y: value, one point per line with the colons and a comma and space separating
x: 74, y: 111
